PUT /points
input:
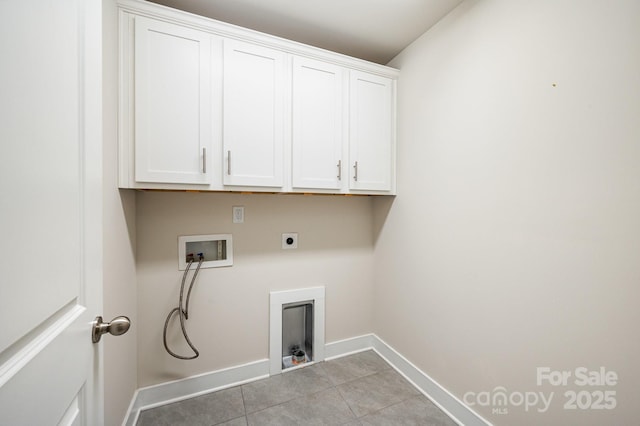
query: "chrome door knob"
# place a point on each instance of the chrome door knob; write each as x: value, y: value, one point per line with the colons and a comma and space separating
x: 117, y: 326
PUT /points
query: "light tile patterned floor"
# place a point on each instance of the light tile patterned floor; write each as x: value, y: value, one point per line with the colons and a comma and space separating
x: 360, y: 389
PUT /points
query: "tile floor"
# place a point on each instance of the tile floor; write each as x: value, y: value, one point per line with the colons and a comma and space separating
x: 359, y: 389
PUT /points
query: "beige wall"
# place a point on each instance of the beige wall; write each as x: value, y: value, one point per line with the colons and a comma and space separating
x: 229, y: 308
x: 513, y: 243
x: 119, y: 273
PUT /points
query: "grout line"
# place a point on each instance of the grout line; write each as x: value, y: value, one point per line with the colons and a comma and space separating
x: 323, y: 375
x: 244, y: 404
x: 355, y: 416
x: 294, y: 397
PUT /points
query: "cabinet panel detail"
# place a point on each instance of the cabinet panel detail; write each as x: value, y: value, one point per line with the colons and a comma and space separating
x: 253, y: 115
x: 172, y: 103
x: 370, y: 131
x: 317, y: 119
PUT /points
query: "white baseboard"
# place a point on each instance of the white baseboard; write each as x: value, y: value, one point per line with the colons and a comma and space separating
x: 190, y: 387
x: 441, y: 397
x: 178, y: 390
x: 349, y: 346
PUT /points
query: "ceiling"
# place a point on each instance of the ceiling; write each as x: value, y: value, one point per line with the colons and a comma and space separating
x: 375, y: 30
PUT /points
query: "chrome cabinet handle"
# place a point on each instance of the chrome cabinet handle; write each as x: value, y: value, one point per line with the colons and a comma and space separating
x: 204, y: 160
x: 117, y: 326
x: 229, y: 163
x: 355, y: 174
x: 339, y: 169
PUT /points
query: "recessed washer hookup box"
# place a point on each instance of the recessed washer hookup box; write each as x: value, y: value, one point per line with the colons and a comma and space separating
x: 217, y: 250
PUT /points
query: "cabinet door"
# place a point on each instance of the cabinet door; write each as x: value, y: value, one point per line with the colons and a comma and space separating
x: 317, y: 124
x: 370, y: 132
x: 172, y: 103
x: 253, y: 115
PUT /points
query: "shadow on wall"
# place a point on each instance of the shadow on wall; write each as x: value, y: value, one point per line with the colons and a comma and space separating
x: 128, y: 202
x: 322, y: 222
x: 381, y: 208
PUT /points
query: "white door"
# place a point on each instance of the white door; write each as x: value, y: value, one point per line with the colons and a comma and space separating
x: 50, y: 211
x: 253, y: 122
x: 317, y: 124
x: 172, y: 103
x: 370, y: 132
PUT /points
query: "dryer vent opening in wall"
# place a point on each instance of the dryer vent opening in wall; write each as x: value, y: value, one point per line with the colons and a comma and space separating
x: 296, y: 328
x: 297, y: 333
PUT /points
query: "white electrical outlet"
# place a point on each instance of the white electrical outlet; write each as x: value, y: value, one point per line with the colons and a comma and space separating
x: 238, y: 214
x: 290, y: 241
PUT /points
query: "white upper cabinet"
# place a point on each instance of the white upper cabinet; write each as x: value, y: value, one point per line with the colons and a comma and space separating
x: 209, y: 106
x: 173, y: 122
x: 371, y: 139
x: 317, y: 124
x: 253, y: 115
